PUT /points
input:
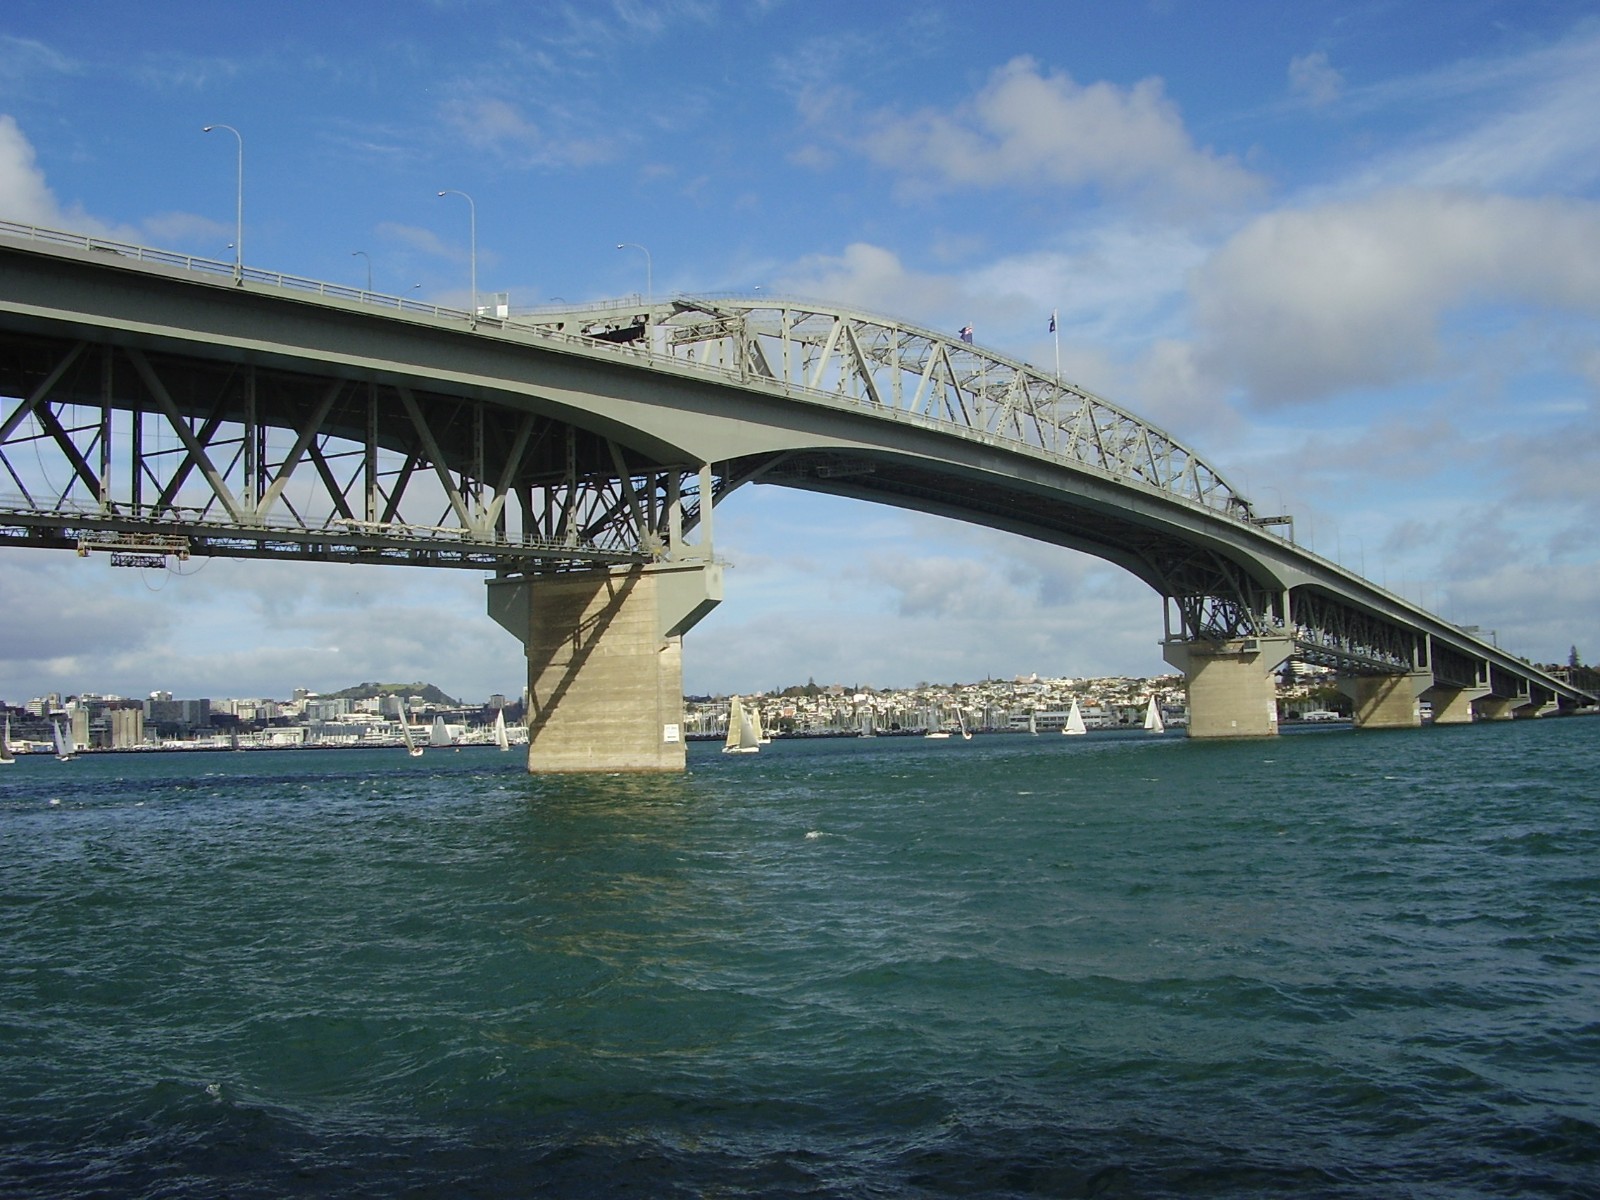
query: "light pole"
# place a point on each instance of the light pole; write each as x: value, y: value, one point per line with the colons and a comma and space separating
x: 649, y: 284
x: 238, y: 232
x: 472, y: 226
x: 368, y: 257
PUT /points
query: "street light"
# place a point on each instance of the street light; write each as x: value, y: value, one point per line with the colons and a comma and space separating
x: 649, y: 285
x: 368, y: 257
x: 472, y: 218
x: 238, y: 234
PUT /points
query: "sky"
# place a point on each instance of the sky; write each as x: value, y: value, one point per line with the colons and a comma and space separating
x: 1348, y: 252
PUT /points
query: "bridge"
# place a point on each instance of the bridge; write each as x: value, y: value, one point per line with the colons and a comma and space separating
x: 165, y: 405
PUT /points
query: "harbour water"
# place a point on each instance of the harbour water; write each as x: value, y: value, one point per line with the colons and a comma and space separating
x: 1330, y: 964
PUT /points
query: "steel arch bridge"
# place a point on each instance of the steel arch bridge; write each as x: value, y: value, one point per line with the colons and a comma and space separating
x: 161, y: 404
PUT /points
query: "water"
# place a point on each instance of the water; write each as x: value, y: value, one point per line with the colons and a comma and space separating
x: 1334, y: 964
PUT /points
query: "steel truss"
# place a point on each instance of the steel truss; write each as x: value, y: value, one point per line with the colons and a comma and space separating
x: 1330, y: 633
x: 900, y: 369
x: 108, y: 447
x: 1216, y: 598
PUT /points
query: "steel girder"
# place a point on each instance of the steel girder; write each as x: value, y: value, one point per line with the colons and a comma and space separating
x: 891, y: 365
x: 1334, y: 634
x: 108, y: 447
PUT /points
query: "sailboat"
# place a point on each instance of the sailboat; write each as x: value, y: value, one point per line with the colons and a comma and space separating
x: 439, y: 735
x: 1033, y: 721
x: 961, y: 721
x: 501, y: 738
x: 60, y: 736
x: 744, y: 734
x: 405, y: 731
x: 1074, y: 723
x: 6, y: 757
x: 934, y: 730
x: 1152, y: 718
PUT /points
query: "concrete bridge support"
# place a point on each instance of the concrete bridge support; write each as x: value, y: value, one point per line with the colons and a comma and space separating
x: 1496, y: 708
x: 1454, y: 705
x: 1232, y: 684
x: 605, y: 662
x: 1387, y: 701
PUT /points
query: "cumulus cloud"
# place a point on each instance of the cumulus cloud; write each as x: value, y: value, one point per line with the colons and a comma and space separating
x: 243, y: 628
x: 24, y: 195
x: 1031, y: 129
x: 871, y: 278
x: 1304, y: 303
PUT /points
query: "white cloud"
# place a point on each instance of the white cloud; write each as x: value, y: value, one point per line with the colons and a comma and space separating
x: 24, y: 195
x: 27, y: 198
x: 1522, y: 122
x: 496, y: 125
x: 871, y: 278
x: 1030, y: 129
x: 1311, y: 76
x: 244, y: 628
x: 887, y: 597
x: 1304, y: 303
x: 22, y: 60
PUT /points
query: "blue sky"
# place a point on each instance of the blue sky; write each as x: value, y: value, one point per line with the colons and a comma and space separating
x: 1350, y: 252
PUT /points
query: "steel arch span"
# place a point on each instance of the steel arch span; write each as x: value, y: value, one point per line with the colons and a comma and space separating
x: 155, y: 396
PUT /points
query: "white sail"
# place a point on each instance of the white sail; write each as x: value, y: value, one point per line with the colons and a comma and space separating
x: 501, y: 738
x: 1033, y: 720
x: 1152, y: 718
x: 60, y: 736
x: 439, y: 735
x: 744, y: 735
x: 1074, y: 723
x: 405, y: 731
x: 961, y: 720
x: 6, y: 756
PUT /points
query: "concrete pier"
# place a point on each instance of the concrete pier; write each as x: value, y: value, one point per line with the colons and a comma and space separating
x: 1496, y: 708
x: 1454, y: 706
x: 1387, y: 701
x: 1232, y: 686
x: 605, y: 662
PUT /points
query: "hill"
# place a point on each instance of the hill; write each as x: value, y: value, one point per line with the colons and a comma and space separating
x: 366, y: 691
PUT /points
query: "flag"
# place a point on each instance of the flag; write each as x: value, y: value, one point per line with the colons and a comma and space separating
x: 1052, y: 320
x: 966, y: 333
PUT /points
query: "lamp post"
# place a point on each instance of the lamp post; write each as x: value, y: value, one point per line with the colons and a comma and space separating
x: 238, y: 232
x: 472, y: 227
x: 649, y: 284
x: 368, y: 257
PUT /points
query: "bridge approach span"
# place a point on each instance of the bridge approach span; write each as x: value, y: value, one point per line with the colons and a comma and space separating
x: 576, y: 448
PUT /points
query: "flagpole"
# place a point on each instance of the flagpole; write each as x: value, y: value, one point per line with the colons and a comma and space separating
x: 1055, y: 330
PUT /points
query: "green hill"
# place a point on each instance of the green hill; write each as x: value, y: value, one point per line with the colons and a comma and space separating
x: 366, y: 691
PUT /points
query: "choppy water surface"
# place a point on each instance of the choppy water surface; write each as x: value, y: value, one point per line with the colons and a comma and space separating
x: 1333, y: 964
